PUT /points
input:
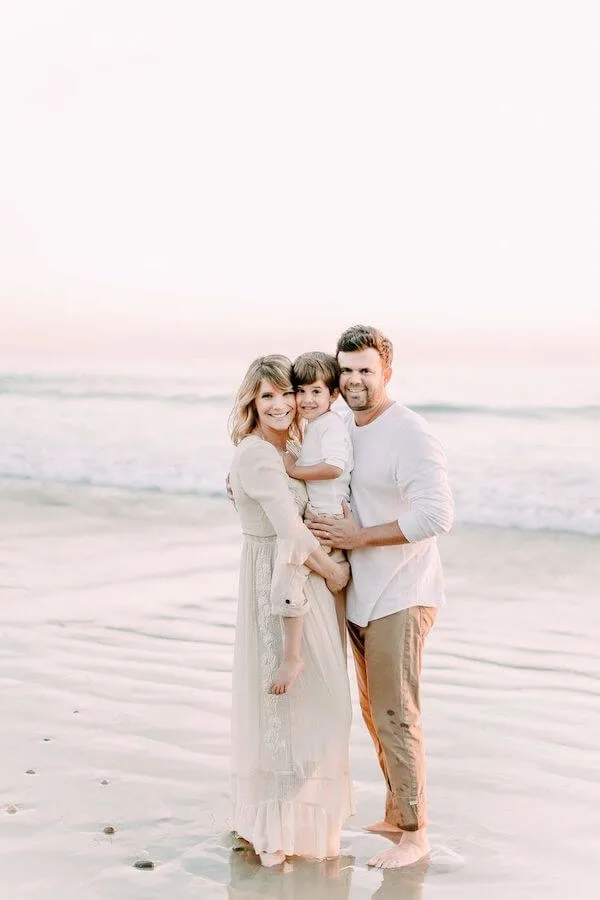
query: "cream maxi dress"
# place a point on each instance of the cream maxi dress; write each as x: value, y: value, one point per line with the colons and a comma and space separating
x: 290, y: 779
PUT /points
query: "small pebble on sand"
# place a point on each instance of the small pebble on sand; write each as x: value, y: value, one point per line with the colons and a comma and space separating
x: 104, y: 781
x: 11, y: 809
x: 143, y: 864
x: 109, y: 829
x: 30, y: 772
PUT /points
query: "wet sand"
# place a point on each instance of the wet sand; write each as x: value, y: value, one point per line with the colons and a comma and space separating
x: 117, y: 614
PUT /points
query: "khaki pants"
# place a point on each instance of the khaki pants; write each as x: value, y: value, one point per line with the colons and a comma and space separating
x: 388, y: 654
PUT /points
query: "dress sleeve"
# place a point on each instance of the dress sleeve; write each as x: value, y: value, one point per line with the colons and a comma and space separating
x: 264, y: 479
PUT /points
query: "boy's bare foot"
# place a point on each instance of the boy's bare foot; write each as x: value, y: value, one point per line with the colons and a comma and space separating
x: 272, y: 859
x: 382, y: 826
x: 286, y: 675
x: 413, y: 846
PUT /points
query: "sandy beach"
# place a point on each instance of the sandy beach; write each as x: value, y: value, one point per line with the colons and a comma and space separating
x: 117, y: 612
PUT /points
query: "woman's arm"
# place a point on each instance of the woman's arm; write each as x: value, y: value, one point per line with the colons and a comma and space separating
x: 263, y: 478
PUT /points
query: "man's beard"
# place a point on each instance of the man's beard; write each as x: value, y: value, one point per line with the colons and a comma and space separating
x: 360, y: 401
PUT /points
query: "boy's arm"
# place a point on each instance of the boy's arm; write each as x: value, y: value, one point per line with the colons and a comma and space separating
x: 333, y: 443
x: 321, y: 472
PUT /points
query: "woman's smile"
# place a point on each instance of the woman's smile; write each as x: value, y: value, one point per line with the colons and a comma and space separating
x: 275, y: 406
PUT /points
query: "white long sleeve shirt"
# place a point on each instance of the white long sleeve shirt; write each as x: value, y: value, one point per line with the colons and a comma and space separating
x: 399, y: 474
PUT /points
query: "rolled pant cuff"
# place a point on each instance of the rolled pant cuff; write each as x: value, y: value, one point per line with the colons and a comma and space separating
x: 405, y: 814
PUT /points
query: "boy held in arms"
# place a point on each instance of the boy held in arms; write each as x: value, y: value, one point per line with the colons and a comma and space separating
x: 325, y: 459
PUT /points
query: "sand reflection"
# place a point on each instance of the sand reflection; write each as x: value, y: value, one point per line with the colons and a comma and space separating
x: 296, y: 879
x: 402, y: 884
x: 301, y: 879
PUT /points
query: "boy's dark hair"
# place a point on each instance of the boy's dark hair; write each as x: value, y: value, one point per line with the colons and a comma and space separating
x: 361, y: 337
x: 309, y: 367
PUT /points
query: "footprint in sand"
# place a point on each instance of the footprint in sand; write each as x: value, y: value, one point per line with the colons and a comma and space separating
x: 443, y: 859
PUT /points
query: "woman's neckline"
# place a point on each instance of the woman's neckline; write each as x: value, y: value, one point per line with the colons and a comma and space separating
x: 260, y: 437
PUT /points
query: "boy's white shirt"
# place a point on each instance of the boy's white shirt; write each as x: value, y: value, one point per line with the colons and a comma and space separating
x: 326, y: 440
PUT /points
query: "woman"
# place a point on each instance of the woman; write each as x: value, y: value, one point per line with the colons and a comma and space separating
x: 291, y: 703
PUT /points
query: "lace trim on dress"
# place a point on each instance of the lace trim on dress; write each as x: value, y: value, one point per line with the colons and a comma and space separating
x: 272, y: 706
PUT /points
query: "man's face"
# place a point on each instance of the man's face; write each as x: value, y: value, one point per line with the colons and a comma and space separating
x: 363, y: 378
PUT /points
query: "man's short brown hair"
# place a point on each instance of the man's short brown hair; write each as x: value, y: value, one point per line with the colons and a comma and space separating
x: 361, y: 337
x: 309, y: 367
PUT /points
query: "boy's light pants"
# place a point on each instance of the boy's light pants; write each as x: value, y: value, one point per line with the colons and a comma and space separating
x: 388, y: 654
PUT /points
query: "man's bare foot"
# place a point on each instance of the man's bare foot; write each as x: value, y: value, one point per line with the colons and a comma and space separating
x: 286, y: 675
x: 272, y: 859
x: 383, y: 826
x: 413, y: 846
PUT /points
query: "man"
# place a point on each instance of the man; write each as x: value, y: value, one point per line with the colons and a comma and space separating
x: 400, y: 500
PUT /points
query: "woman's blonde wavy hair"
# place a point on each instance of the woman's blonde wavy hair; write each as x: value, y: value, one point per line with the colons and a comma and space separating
x: 243, y: 419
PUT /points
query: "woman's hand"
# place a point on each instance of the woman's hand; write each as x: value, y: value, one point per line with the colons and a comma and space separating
x: 339, y: 577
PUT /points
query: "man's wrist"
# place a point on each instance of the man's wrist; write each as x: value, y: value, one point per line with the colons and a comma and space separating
x: 363, y: 538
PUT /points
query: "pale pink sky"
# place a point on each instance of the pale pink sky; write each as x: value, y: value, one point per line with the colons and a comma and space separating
x: 174, y: 170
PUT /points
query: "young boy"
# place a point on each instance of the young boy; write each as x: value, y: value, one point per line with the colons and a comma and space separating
x: 324, y: 462
x: 325, y: 458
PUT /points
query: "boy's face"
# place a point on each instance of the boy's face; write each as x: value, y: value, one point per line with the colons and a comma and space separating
x: 314, y: 399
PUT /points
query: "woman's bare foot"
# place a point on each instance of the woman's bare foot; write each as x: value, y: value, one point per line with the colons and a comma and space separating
x: 383, y: 827
x: 272, y: 859
x: 412, y: 847
x: 286, y: 675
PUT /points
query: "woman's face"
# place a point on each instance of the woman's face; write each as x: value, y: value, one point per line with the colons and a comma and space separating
x: 275, y: 408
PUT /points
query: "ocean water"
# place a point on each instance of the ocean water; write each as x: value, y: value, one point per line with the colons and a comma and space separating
x: 522, y: 442
x: 117, y: 609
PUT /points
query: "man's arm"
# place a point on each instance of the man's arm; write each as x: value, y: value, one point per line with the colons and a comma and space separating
x: 347, y: 534
x: 422, y: 481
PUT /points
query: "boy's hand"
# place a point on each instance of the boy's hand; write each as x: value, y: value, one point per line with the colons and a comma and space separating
x: 338, y: 579
x: 294, y: 448
x: 289, y: 462
x: 229, y: 491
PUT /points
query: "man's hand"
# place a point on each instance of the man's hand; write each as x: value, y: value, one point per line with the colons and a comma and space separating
x: 339, y: 534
